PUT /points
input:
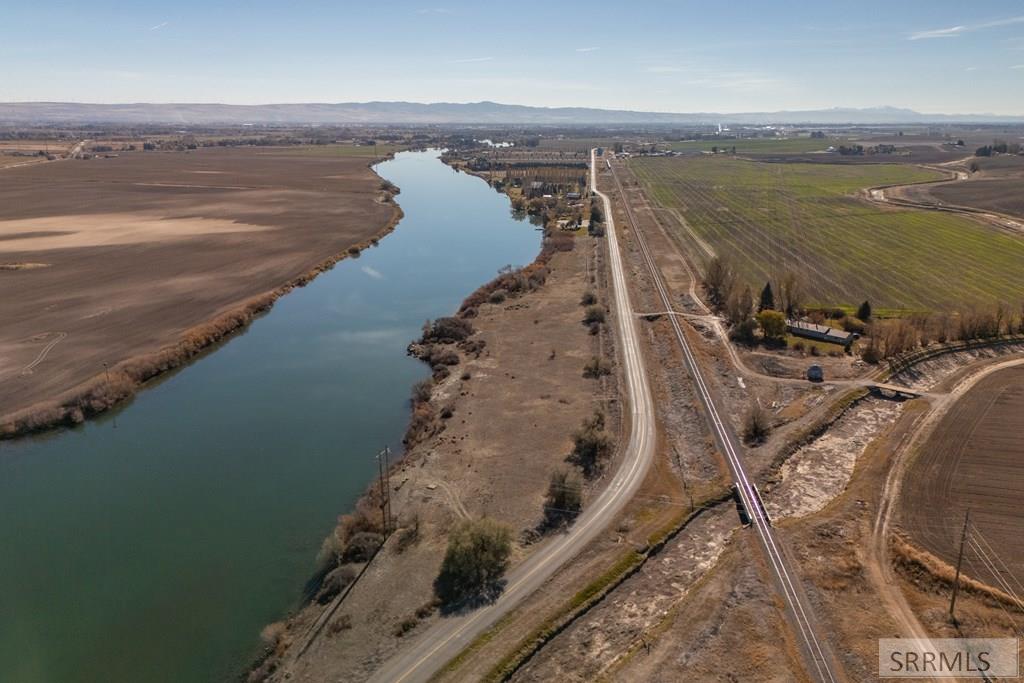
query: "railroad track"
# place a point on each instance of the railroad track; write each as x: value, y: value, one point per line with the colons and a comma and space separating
x: 820, y: 660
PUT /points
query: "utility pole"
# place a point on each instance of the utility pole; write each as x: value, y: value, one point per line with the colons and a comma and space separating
x: 387, y: 485
x: 682, y: 473
x: 959, y: 562
x: 384, y: 480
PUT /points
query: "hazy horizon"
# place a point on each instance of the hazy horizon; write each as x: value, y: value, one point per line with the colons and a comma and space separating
x: 509, y: 104
x: 935, y: 57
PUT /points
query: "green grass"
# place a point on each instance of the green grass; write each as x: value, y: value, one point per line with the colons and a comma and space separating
x: 769, y: 218
x: 760, y: 145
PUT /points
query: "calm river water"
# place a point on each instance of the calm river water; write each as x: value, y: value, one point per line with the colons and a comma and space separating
x: 154, y: 544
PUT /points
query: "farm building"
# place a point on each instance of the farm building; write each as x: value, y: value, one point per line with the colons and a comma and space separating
x: 823, y: 333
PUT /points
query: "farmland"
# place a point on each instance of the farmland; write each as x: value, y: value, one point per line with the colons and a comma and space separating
x: 998, y: 186
x: 973, y: 461
x: 334, y: 151
x: 759, y: 145
x: 113, y: 259
x: 770, y: 218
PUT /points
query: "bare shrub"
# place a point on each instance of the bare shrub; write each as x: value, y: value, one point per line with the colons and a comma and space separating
x: 593, y: 314
x: 588, y: 299
x: 336, y: 581
x: 361, y: 547
x: 719, y: 280
x: 564, y: 499
x: 404, y: 626
x: 756, y: 424
x: 852, y: 325
x: 497, y: 296
x: 446, y: 330
x: 442, y: 356
x: 422, y: 390
x: 408, y: 534
x: 591, y: 445
x: 273, y: 634
x: 342, y: 623
x: 596, y: 368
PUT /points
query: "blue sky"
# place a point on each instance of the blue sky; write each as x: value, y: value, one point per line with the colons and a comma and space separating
x: 934, y: 56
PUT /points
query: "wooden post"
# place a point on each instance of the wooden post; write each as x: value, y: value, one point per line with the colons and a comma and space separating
x: 959, y: 562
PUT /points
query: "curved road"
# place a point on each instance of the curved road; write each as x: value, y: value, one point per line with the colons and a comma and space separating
x: 438, y: 645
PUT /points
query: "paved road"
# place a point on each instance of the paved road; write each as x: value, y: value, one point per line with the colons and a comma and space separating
x: 820, y: 662
x: 441, y: 643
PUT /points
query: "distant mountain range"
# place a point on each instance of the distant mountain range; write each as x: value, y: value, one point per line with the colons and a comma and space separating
x: 27, y: 113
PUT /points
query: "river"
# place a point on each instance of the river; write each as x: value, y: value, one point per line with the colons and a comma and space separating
x: 154, y: 543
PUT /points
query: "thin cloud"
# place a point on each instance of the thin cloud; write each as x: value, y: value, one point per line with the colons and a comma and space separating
x: 971, y: 68
x: 956, y: 31
x: 952, y: 32
x: 433, y: 10
x: 159, y: 26
x: 664, y: 69
x: 1017, y: 66
x: 471, y: 60
x: 372, y: 272
x: 587, y: 49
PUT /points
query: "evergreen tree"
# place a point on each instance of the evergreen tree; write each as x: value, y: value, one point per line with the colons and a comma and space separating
x: 767, y: 298
x: 864, y: 312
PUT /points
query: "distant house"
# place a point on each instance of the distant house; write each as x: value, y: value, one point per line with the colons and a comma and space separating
x: 573, y: 195
x: 823, y: 333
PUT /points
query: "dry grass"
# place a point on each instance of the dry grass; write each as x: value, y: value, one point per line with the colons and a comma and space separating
x: 932, y: 575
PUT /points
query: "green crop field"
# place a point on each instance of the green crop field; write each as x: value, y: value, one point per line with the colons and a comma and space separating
x: 769, y: 218
x: 760, y: 145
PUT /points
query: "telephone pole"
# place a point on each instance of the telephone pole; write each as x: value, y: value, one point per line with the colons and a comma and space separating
x: 959, y: 562
x: 384, y: 479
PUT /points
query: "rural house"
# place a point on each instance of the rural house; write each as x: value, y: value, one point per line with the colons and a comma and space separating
x: 823, y: 333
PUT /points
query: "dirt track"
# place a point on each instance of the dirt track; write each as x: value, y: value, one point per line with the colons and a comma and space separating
x: 130, y: 254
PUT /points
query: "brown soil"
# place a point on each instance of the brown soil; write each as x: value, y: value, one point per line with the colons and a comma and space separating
x: 992, y: 194
x: 630, y: 617
x: 152, y: 256
x: 973, y: 460
x: 730, y: 628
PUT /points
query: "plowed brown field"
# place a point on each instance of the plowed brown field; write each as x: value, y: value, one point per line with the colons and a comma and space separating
x: 111, y: 259
x: 974, y: 460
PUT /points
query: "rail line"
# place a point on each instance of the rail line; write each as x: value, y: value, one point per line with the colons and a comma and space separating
x: 727, y: 441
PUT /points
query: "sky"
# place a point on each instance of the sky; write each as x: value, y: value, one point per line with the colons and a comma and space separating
x: 935, y: 56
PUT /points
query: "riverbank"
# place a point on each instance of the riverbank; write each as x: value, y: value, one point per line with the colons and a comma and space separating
x: 483, y: 441
x: 123, y: 296
x: 154, y: 543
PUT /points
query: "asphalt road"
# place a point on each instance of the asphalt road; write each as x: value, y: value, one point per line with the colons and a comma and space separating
x: 438, y: 645
x: 820, y: 662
